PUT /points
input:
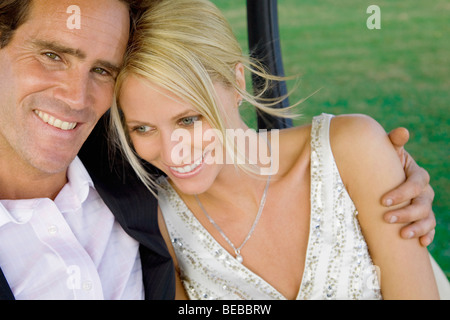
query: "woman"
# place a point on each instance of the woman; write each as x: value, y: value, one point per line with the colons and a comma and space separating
x: 298, y: 226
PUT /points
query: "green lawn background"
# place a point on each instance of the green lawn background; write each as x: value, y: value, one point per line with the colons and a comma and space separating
x: 399, y: 75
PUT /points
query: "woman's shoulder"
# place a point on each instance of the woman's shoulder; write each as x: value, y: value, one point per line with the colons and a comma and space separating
x: 355, y: 126
x: 365, y: 157
x: 355, y: 137
x: 342, y: 127
x: 350, y: 137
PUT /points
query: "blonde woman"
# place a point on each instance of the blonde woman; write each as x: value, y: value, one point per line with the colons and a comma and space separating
x: 299, y: 225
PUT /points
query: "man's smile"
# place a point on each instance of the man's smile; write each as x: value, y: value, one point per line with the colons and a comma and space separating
x: 57, y: 123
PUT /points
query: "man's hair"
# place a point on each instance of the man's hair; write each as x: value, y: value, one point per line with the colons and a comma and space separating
x: 13, y: 13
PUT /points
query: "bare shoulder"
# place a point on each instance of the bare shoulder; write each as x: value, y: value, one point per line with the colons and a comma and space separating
x: 350, y: 128
x: 351, y: 137
x: 360, y: 146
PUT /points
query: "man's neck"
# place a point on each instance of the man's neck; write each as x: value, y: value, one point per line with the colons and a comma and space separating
x: 17, y: 182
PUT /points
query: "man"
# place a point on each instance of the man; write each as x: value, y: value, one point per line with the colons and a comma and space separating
x: 56, y: 83
x: 68, y: 227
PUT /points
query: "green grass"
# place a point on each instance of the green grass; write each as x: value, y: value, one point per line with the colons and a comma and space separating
x: 399, y: 75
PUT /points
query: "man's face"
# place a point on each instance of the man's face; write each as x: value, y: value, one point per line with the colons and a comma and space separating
x: 56, y: 82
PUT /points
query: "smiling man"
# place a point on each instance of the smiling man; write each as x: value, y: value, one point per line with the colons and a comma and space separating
x: 59, y: 240
x: 71, y: 225
x: 56, y: 83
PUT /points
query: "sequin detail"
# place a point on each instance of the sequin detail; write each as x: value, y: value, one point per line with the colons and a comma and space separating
x: 338, y: 264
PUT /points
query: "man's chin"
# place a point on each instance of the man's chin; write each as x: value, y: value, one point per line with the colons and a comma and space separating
x: 53, y: 165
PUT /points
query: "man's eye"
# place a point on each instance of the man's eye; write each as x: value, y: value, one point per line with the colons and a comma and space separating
x: 101, y: 71
x: 52, y: 56
x: 189, y: 121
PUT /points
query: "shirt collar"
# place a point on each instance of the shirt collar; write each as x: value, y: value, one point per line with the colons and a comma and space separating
x: 79, y: 179
x: 17, y: 211
x: 76, y: 190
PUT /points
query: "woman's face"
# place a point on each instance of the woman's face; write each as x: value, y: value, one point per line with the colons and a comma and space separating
x: 172, y: 135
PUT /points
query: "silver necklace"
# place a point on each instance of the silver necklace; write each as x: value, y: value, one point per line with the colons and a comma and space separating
x: 237, y: 251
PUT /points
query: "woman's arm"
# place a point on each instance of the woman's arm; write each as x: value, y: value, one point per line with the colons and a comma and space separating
x: 180, y: 293
x: 369, y: 167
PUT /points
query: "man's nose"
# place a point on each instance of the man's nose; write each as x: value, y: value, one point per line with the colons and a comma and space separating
x: 75, y: 89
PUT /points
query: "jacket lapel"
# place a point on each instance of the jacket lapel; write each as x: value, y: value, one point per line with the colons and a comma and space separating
x: 5, y: 290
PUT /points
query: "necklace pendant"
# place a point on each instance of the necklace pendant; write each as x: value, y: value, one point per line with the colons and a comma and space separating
x: 239, y: 258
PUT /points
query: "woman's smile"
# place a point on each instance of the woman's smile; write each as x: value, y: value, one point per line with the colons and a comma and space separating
x: 189, y: 170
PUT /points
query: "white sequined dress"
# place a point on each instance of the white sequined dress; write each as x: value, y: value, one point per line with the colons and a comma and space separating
x: 337, y: 266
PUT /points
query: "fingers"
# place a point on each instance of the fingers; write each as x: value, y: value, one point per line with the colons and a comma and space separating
x: 421, y: 230
x: 420, y: 208
x: 419, y: 216
x: 417, y: 180
x: 420, y: 213
x: 427, y: 239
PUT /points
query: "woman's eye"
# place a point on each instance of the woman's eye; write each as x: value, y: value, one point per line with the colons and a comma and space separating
x: 141, y: 129
x: 188, y: 121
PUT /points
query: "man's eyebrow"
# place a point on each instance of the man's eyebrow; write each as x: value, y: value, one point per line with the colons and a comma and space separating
x: 59, y: 48
x: 54, y: 46
x: 114, y: 69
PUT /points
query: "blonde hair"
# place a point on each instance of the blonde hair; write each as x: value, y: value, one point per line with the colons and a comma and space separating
x: 185, y: 46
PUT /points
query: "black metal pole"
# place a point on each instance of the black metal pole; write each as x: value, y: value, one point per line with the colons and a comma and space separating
x: 264, y: 44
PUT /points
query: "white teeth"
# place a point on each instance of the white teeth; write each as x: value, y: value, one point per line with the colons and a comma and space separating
x: 63, y: 125
x: 188, y: 168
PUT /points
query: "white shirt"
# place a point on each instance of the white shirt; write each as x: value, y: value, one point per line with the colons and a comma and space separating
x: 70, y: 248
